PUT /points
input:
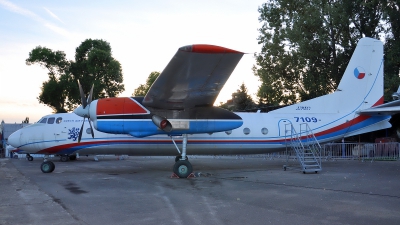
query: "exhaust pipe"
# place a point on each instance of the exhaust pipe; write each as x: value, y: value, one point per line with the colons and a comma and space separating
x: 162, y: 123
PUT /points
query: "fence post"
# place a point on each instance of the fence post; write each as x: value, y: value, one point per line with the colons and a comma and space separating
x: 343, y: 149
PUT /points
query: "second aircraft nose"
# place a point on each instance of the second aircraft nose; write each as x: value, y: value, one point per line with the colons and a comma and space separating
x: 15, y: 139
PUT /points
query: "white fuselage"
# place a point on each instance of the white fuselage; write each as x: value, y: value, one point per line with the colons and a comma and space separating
x: 260, y: 133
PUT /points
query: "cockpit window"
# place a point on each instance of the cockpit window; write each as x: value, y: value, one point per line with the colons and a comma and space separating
x: 44, y: 120
x: 59, y: 119
x: 50, y: 120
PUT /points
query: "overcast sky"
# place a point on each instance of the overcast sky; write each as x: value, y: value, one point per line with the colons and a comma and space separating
x: 144, y: 35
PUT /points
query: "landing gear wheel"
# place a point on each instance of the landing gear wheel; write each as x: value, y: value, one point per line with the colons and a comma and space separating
x: 183, y: 168
x: 178, y: 157
x: 64, y: 158
x: 29, y: 157
x: 72, y: 157
x: 47, y: 167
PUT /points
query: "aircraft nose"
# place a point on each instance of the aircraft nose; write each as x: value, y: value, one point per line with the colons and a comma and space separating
x: 15, y: 139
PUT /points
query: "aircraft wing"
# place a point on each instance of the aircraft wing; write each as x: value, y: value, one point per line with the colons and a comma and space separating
x: 193, y: 77
x: 389, y: 108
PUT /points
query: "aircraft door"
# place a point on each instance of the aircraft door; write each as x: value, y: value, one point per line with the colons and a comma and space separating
x: 285, y: 128
x: 59, y: 130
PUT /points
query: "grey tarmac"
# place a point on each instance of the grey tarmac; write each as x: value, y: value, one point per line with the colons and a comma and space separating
x: 227, y: 190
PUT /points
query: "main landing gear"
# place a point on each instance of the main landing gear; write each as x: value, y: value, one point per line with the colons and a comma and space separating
x: 47, y: 166
x: 182, y: 167
x: 66, y: 158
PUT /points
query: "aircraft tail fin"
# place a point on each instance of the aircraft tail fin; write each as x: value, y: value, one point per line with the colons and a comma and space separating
x: 362, y: 82
x: 361, y: 86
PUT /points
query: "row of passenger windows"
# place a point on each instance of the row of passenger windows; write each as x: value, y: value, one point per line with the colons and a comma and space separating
x: 246, y: 131
x: 51, y: 120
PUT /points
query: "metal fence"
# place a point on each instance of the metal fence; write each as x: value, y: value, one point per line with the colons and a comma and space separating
x: 363, y: 151
x: 336, y: 151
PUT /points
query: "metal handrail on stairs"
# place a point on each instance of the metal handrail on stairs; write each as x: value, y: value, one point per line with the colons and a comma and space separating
x: 306, y: 146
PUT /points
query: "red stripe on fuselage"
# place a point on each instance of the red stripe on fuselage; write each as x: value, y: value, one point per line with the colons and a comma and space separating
x: 347, y: 125
x: 379, y: 102
x: 350, y: 123
x: 112, y: 106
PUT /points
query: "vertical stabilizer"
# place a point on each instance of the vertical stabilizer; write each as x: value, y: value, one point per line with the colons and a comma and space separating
x: 362, y: 82
x: 337, y: 115
x: 361, y: 86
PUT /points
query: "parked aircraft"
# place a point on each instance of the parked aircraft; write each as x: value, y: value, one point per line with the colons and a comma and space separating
x: 177, y: 112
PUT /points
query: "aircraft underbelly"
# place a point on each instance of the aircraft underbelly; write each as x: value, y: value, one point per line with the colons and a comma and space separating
x: 193, y: 149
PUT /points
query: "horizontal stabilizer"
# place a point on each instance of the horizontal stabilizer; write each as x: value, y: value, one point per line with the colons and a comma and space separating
x: 389, y: 108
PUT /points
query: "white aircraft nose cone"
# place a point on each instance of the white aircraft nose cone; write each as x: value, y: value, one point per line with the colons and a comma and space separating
x: 83, y: 112
x: 14, y: 139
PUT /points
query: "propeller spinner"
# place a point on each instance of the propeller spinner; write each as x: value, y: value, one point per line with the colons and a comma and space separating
x: 83, y: 110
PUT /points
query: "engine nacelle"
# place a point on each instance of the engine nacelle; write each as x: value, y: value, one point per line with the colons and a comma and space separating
x: 162, y: 123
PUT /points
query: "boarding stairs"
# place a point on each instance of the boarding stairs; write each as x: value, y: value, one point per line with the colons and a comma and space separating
x: 306, y: 147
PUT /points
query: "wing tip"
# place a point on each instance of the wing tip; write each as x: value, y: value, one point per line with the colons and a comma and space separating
x: 204, y: 48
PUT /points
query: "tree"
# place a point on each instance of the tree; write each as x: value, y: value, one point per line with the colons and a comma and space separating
x: 54, y: 92
x: 93, y: 64
x: 306, y: 45
x: 26, y: 120
x: 241, y: 101
x: 392, y: 48
x: 144, y: 88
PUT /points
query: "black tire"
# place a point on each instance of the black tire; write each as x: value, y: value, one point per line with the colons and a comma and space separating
x: 72, y: 157
x: 47, y: 167
x: 30, y: 158
x: 64, y: 158
x: 178, y: 157
x: 183, y: 168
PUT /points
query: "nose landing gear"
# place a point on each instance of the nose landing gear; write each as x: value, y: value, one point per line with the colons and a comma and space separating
x: 29, y: 157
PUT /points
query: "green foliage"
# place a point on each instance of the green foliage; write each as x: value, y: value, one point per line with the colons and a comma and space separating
x: 241, y: 101
x: 392, y: 48
x: 55, y: 62
x: 306, y: 45
x: 93, y: 64
x: 144, y: 88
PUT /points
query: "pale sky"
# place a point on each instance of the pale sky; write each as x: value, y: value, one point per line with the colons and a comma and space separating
x: 144, y: 35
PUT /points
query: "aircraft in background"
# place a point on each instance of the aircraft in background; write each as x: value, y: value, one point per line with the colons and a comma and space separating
x: 178, y: 112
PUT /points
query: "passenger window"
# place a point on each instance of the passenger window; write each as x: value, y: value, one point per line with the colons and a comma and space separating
x: 50, y: 120
x: 44, y: 120
x: 59, y: 119
x: 264, y: 131
x: 246, y: 131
